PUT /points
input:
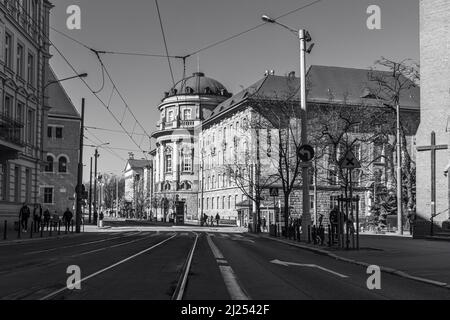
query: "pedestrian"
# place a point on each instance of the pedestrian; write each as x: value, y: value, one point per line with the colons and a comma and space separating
x: 411, y: 218
x: 24, y: 215
x: 211, y: 220
x: 37, y: 216
x: 334, y: 220
x: 46, y: 218
x: 100, y: 219
x: 264, y: 224
x: 206, y: 219
x: 67, y: 218
x: 217, y: 218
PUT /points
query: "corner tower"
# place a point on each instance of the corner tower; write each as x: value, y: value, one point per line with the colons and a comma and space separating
x: 176, y: 167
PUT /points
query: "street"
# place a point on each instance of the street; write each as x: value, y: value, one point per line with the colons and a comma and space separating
x: 188, y: 264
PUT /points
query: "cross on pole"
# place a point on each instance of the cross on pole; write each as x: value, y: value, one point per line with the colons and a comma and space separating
x: 433, y: 148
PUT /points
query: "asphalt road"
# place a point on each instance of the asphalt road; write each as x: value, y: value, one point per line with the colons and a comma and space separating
x: 188, y: 265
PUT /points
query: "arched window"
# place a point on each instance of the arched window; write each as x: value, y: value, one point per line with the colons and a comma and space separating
x: 62, y: 165
x: 49, y: 164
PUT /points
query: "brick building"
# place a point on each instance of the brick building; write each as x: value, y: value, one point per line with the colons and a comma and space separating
x: 24, y: 55
x: 435, y: 115
x: 226, y: 139
x: 58, y: 179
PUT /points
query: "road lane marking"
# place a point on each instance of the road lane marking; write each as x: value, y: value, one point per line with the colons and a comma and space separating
x: 109, y: 267
x: 80, y: 244
x: 308, y: 265
x: 113, y: 246
x: 228, y: 275
x: 186, y: 272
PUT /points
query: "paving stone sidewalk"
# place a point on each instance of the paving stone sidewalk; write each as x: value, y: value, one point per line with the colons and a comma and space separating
x: 425, y: 259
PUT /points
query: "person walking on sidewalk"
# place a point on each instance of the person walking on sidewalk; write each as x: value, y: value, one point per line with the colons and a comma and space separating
x: 46, y: 218
x: 37, y: 216
x: 67, y: 218
x: 24, y: 215
x: 264, y: 224
x: 217, y: 218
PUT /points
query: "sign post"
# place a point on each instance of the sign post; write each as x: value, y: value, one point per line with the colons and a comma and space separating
x: 350, y: 162
x: 274, y: 194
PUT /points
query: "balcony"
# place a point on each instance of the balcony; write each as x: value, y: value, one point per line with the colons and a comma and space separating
x: 10, y: 135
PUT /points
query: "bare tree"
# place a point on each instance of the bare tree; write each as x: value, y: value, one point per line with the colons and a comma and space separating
x: 392, y: 88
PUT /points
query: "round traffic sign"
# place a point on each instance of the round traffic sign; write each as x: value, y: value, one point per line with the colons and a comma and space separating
x: 306, y: 153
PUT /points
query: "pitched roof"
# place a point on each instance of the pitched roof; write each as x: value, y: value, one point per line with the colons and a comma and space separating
x: 59, y: 101
x: 271, y: 87
x: 324, y: 84
x: 138, y: 164
x: 339, y: 84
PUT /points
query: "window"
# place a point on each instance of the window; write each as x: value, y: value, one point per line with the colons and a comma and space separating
x: 170, y: 116
x: 212, y: 203
x: 59, y: 132
x: 30, y: 127
x: 187, y: 113
x: 20, y: 118
x: 28, y: 185
x: 334, y: 202
x: 378, y: 151
x: 229, y: 202
x: 30, y: 69
x: 8, y: 106
x: 20, y: 59
x: 357, y: 151
x: 49, y: 164
x: 48, y: 195
x: 4, y: 182
x: 49, y: 131
x: 8, y: 51
x: 311, y: 201
x: 168, y: 163
x: 218, y: 200
x: 223, y: 202
x: 62, y: 165
x: 207, y: 203
x: 17, y: 184
x: 187, y: 162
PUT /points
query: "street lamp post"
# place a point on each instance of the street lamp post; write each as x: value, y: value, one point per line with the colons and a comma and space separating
x: 303, y: 37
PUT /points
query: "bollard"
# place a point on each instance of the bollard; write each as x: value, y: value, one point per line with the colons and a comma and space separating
x: 50, y: 226
x: 59, y: 227
x: 42, y: 230
x: 4, y: 230
x: 18, y: 231
x: 31, y: 230
x: 309, y: 233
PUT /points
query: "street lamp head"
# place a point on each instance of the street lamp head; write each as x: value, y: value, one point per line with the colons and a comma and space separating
x: 266, y: 18
x: 83, y: 75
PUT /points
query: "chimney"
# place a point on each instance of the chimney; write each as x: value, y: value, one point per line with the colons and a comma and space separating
x: 291, y: 74
x: 272, y: 72
x: 266, y: 73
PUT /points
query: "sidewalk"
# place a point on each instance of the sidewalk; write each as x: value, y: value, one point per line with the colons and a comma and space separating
x: 423, y: 260
x: 12, y: 236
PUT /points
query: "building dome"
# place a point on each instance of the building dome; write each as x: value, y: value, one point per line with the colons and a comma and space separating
x: 198, y: 84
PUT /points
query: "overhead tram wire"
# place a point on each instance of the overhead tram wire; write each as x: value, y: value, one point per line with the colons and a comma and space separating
x: 165, y: 42
x: 74, y: 70
x: 106, y: 149
x: 167, y: 55
x: 112, y: 130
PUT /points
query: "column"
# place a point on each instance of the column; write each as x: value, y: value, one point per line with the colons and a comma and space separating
x: 175, y: 162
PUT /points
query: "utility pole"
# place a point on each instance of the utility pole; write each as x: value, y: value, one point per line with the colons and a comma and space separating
x: 117, y: 197
x: 80, y: 174
x: 306, y: 216
x: 399, y: 174
x: 90, y: 193
x: 95, y: 187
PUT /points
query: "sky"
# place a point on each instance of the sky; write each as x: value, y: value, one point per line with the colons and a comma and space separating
x: 338, y: 29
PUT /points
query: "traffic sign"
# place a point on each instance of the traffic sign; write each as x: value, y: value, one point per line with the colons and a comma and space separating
x: 306, y: 153
x: 349, y: 161
x: 274, y: 192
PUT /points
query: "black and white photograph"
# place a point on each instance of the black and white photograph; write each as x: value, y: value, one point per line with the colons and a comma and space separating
x: 224, y: 158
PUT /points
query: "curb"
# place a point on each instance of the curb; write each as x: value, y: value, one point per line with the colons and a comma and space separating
x: 7, y: 242
x: 360, y: 263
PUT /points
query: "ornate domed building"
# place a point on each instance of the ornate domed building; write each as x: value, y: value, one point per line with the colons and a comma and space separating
x: 176, y: 166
